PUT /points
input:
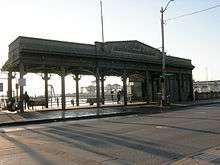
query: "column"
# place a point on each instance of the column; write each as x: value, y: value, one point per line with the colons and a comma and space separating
x: 191, y: 88
x: 103, y: 89
x: 163, y: 90
x: 125, y: 88
x: 153, y: 89
x: 46, y: 78
x: 63, y: 98
x: 16, y: 87
x: 180, y: 81
x: 97, y: 87
x: 148, y: 86
x: 9, y: 84
x: 21, y: 80
x: 77, y: 78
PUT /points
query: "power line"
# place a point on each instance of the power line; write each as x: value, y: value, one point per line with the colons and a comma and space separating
x: 196, y: 12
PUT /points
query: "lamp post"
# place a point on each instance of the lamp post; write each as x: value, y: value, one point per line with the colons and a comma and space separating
x: 163, y: 82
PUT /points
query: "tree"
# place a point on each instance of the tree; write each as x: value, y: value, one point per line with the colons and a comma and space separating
x: 91, y: 89
x: 114, y: 87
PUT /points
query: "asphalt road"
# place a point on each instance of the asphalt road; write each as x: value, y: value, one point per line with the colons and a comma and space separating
x: 138, y: 139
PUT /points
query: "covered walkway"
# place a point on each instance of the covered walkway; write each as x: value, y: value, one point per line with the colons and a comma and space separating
x: 131, y: 60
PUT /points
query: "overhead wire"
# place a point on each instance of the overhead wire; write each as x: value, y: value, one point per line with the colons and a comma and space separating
x: 196, y: 12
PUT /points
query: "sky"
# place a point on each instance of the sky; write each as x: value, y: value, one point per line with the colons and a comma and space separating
x: 195, y: 37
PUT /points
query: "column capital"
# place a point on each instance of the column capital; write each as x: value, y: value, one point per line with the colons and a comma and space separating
x: 45, y: 76
x: 102, y: 78
x: 77, y: 77
x: 10, y: 73
x: 124, y: 74
x: 62, y: 72
x: 97, y: 74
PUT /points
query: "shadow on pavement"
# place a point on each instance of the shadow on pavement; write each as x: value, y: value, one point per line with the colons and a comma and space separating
x: 34, y: 154
x: 105, y: 141
x: 169, y: 126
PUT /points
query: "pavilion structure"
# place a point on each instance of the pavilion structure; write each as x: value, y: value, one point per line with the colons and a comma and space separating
x: 133, y: 60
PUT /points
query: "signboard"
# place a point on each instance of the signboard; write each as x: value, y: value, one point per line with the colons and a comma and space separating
x: 136, y: 79
x: 1, y: 87
x: 167, y: 75
x: 22, y: 82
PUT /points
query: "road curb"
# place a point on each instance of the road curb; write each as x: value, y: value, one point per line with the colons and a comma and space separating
x: 194, y: 105
x: 42, y: 121
x: 153, y: 110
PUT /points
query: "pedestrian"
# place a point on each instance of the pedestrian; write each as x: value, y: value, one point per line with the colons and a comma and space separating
x: 112, y: 94
x: 196, y: 95
x: 118, y: 97
x: 72, y: 102
x: 57, y: 102
x: 11, y: 103
x: 26, y: 100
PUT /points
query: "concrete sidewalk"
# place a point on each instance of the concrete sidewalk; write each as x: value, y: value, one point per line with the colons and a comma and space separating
x: 32, y: 117
x: 207, y: 157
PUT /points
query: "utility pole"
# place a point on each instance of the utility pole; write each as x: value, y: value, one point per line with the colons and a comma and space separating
x: 103, y: 39
x: 163, y: 80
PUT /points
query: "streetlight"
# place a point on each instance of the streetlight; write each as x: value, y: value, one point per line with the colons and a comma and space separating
x: 163, y: 82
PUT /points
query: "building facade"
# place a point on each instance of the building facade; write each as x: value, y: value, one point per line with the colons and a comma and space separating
x: 206, y: 86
